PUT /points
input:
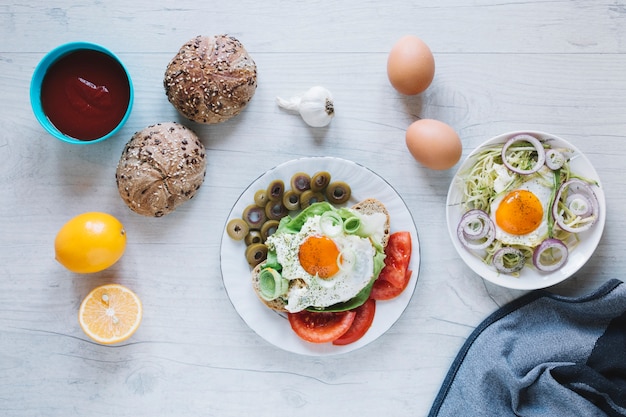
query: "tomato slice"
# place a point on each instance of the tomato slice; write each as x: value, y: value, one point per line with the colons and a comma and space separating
x: 361, y: 324
x: 395, y: 276
x: 398, y: 253
x: 321, y: 327
x: 384, y: 290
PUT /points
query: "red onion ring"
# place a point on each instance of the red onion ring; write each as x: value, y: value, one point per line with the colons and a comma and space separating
x: 554, y: 159
x: 581, y: 190
x: 498, y: 259
x: 541, y: 154
x: 550, y: 245
x: 579, y: 205
x: 476, y: 230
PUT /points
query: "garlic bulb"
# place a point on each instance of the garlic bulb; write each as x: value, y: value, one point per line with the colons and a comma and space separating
x: 315, y: 106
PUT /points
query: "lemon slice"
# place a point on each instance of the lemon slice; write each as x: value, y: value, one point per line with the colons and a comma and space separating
x: 110, y: 314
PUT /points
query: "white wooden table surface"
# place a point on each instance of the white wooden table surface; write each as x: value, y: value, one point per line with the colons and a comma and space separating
x: 555, y: 66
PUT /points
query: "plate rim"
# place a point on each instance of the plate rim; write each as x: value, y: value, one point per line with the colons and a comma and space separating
x: 558, y: 276
x: 400, y: 304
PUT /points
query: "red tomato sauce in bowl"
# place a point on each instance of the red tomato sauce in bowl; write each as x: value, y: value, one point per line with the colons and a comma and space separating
x: 86, y: 94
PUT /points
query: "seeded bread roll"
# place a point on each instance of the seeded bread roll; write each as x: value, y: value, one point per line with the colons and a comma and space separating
x: 368, y: 206
x: 211, y: 79
x: 161, y: 167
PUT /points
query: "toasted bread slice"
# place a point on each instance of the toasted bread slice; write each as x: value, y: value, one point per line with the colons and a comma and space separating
x: 277, y: 304
x: 368, y: 206
x: 371, y: 206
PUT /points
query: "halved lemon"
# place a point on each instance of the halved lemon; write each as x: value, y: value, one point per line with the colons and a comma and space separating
x: 110, y: 314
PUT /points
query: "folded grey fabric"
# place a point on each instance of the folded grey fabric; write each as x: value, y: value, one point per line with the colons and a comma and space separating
x: 543, y: 355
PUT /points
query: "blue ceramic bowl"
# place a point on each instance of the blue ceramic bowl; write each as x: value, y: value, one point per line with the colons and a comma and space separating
x: 36, y: 85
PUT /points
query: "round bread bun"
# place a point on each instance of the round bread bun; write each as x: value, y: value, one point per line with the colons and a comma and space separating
x: 211, y: 79
x: 161, y: 167
x: 368, y: 206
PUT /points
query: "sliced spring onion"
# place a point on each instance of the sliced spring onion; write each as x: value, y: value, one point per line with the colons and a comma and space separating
x: 272, y: 284
x: 331, y: 223
x: 476, y: 230
x: 352, y: 225
x: 553, y: 190
x: 550, y: 255
x: 346, y: 259
x: 518, y: 167
x: 576, y: 206
x: 509, y: 260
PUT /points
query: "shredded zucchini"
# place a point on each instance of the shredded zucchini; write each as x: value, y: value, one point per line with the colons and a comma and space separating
x: 486, y: 179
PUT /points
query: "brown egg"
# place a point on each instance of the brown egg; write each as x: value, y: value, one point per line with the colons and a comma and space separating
x: 434, y: 144
x: 410, y: 65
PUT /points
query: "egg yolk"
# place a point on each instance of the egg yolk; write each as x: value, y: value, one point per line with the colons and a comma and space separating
x: 519, y: 213
x: 319, y: 256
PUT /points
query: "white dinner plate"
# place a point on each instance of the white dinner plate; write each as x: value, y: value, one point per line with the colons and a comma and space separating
x: 274, y: 327
x: 529, y: 278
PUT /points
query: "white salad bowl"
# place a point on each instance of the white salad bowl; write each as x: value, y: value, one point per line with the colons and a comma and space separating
x: 529, y: 278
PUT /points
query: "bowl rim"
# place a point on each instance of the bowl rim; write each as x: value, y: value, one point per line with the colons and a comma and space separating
x: 40, y: 72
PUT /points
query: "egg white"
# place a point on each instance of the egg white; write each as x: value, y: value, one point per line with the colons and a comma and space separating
x: 353, y: 276
x: 540, y: 184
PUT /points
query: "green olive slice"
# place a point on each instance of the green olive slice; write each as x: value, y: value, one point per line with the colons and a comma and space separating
x: 275, y: 190
x: 237, y: 229
x: 300, y: 182
x: 268, y: 228
x: 254, y: 236
x: 320, y: 181
x: 275, y: 210
x: 338, y: 192
x: 291, y: 200
x: 256, y: 253
x: 260, y: 198
x: 254, y: 216
x: 310, y: 197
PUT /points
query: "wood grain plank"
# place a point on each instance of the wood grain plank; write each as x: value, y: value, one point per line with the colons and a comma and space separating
x: 556, y: 66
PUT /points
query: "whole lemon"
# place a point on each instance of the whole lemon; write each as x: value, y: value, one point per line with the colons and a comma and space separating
x: 90, y: 242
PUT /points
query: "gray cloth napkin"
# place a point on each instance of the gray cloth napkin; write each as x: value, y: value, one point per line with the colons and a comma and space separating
x: 543, y: 355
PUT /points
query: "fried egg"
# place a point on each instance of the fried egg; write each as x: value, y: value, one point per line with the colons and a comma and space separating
x: 520, y: 213
x: 333, y: 269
